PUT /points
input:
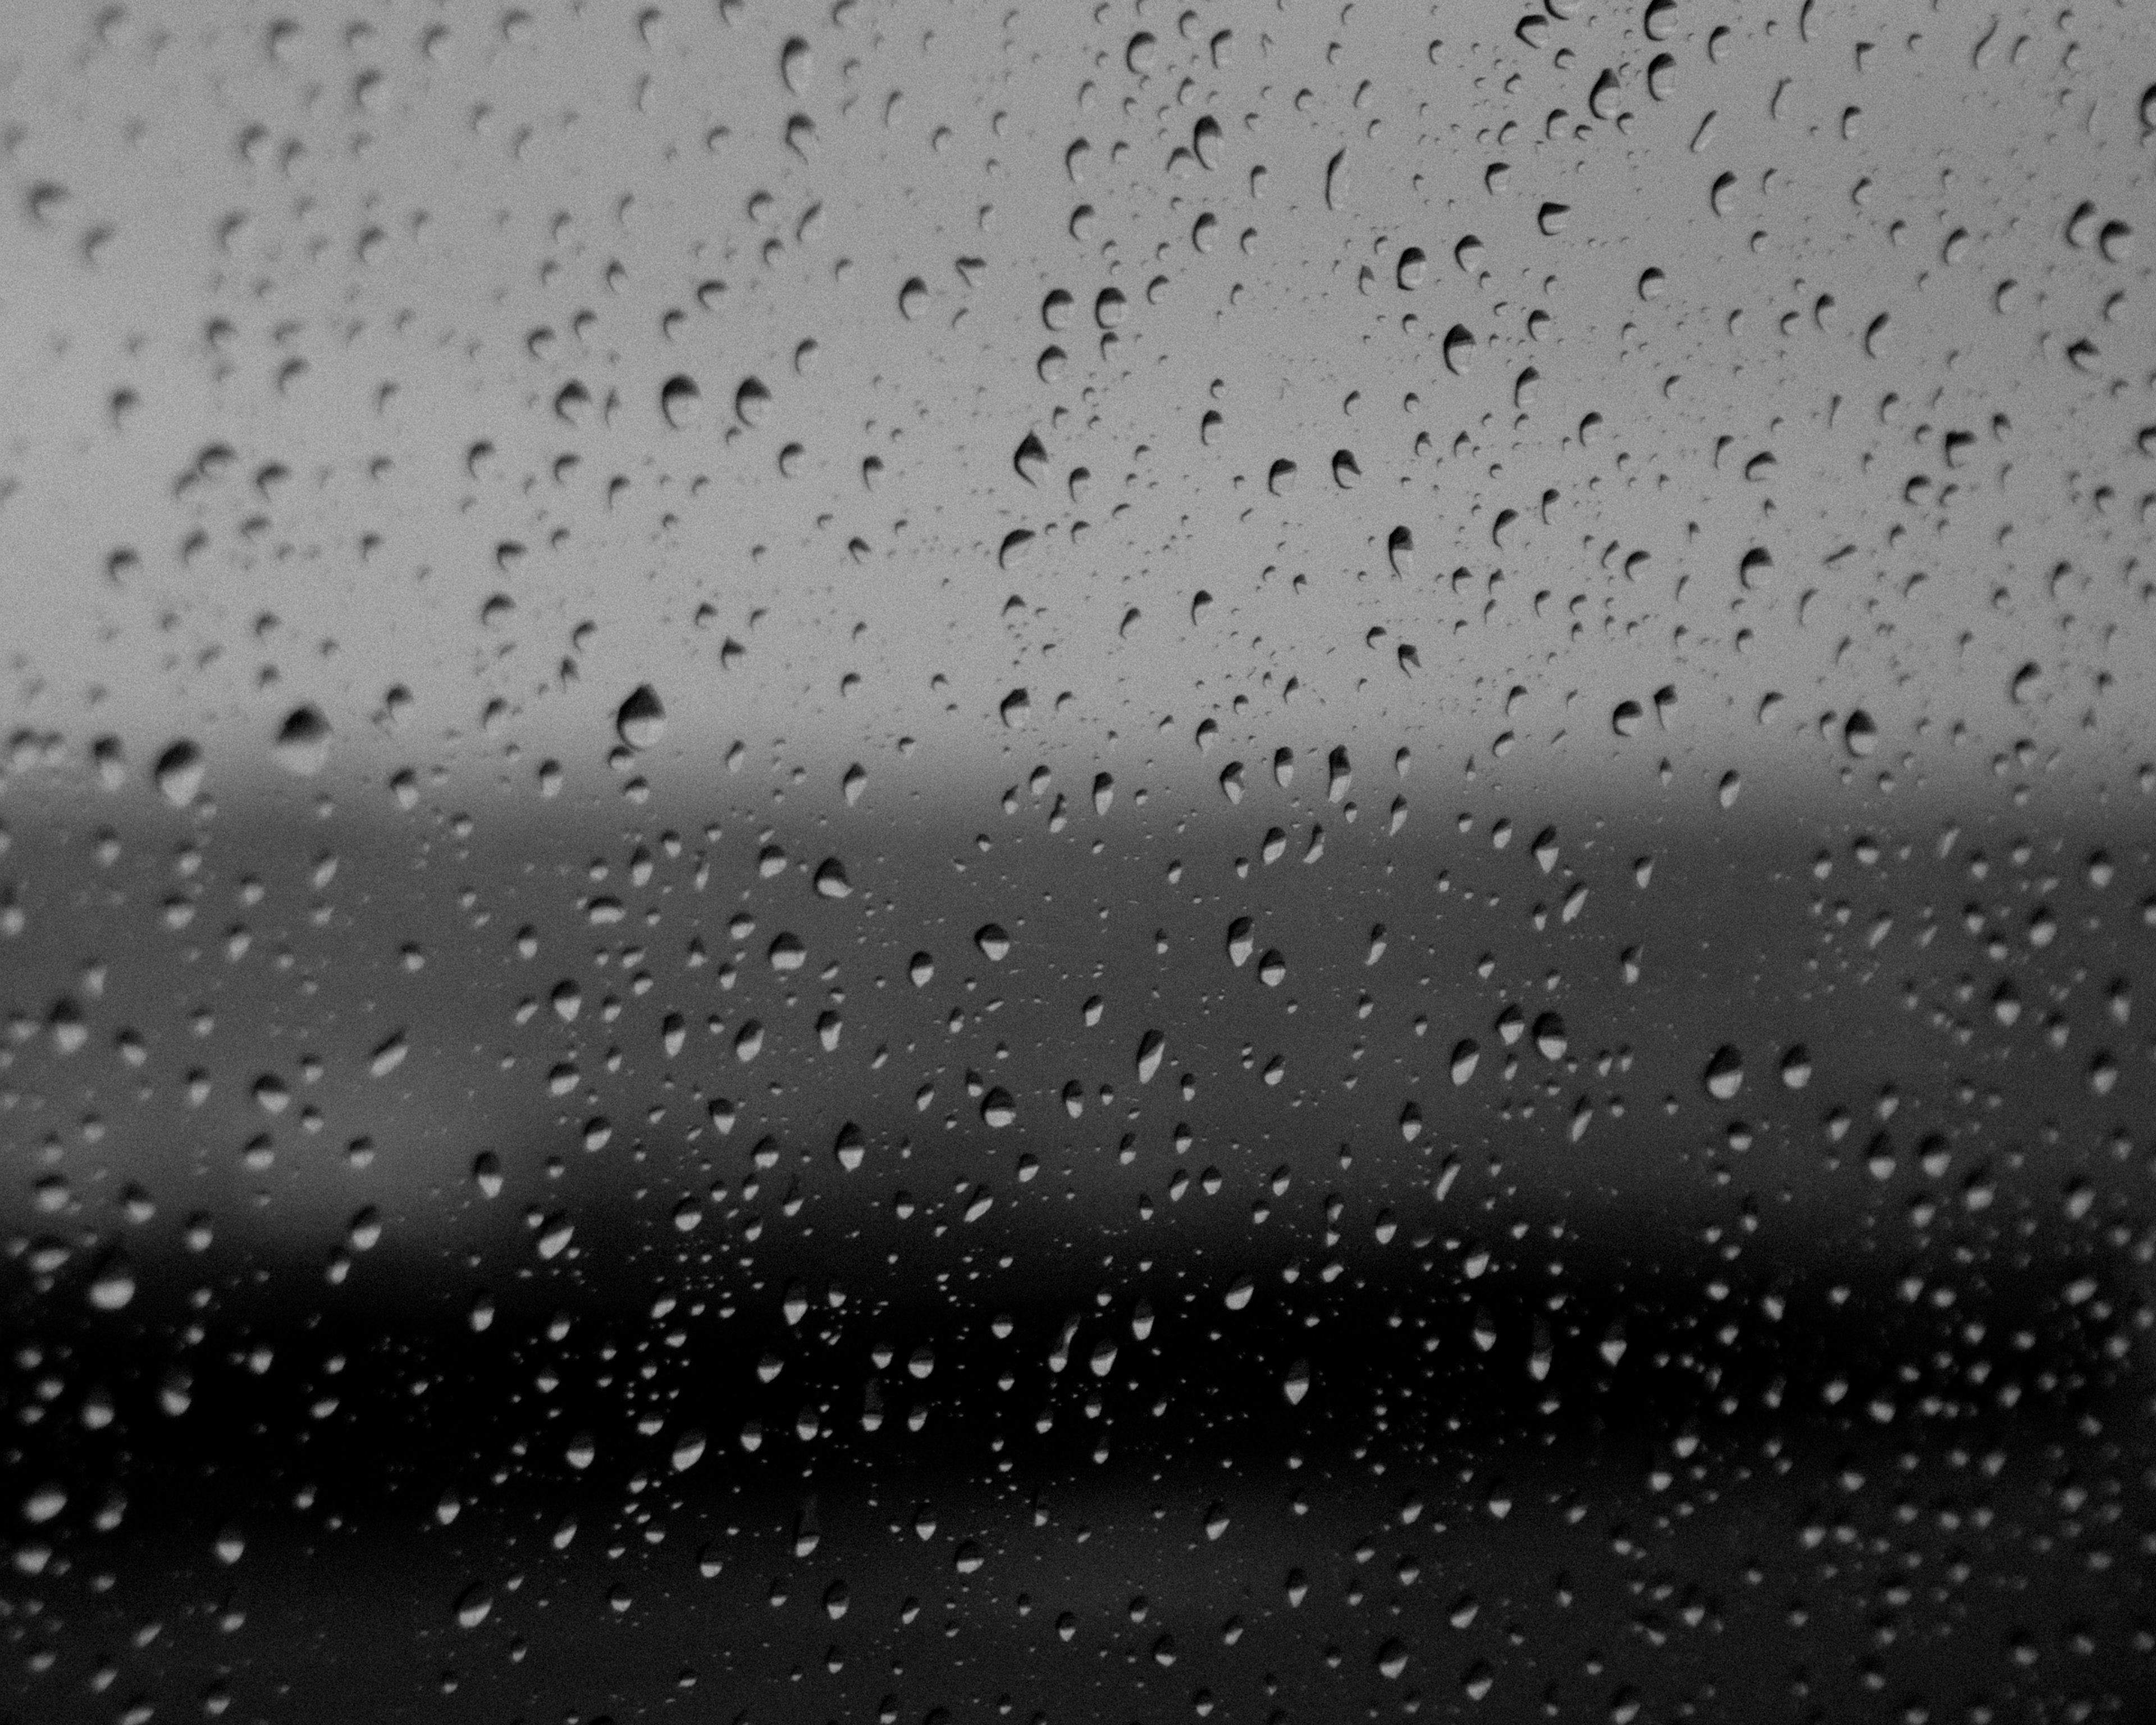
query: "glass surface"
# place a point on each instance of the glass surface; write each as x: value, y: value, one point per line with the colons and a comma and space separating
x: 925, y: 862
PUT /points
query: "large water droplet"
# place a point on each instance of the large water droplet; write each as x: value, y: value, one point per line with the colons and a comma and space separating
x: 1724, y: 1076
x: 303, y: 741
x: 1152, y: 1047
x: 178, y: 774
x: 681, y: 402
x: 796, y: 65
x: 641, y: 719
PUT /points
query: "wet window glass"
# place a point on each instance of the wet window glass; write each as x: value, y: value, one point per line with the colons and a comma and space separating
x: 925, y: 862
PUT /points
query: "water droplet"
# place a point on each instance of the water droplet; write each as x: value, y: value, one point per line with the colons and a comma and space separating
x: 681, y: 402
x: 640, y: 720
x: 303, y: 741
x: 1240, y: 943
x: 44, y: 1503
x: 796, y: 65
x: 178, y: 774
x: 1550, y: 1041
x: 1152, y: 1047
x: 112, y: 1285
x: 1724, y: 1076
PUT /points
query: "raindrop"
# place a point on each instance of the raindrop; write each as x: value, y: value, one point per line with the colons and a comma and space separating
x: 1550, y: 1040
x: 640, y: 720
x: 1152, y: 1046
x: 178, y: 774
x: 796, y: 65
x: 1240, y: 944
x: 1724, y: 1076
x: 112, y: 1285
x: 680, y: 402
x: 303, y: 741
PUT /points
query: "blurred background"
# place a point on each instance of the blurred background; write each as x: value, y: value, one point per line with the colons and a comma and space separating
x: 1070, y: 863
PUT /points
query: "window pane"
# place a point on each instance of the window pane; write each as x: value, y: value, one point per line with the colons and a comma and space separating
x: 1077, y: 863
